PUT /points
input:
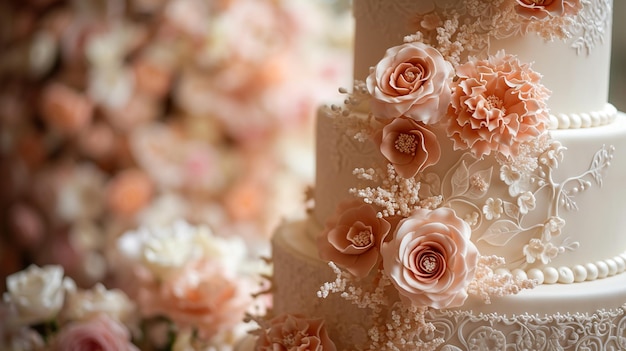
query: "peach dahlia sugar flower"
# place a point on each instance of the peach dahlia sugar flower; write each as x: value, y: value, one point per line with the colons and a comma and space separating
x: 409, y: 146
x: 411, y: 80
x: 294, y: 332
x: 497, y: 104
x: 430, y: 259
x: 352, y: 238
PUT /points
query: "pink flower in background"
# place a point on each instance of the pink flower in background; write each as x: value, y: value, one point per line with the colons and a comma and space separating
x: 353, y: 237
x: 204, y: 295
x: 497, y: 104
x: 430, y: 258
x: 65, y: 109
x: 99, y: 333
x: 409, y: 146
x: 413, y: 80
x: 294, y: 332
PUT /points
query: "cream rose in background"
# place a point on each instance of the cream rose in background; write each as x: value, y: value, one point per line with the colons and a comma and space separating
x: 430, y: 258
x: 411, y: 80
x: 35, y: 295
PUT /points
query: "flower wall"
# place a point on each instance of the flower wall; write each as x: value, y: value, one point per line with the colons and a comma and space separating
x: 139, y: 139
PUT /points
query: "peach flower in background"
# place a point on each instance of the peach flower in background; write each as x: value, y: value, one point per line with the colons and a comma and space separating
x: 413, y: 80
x: 65, y: 109
x: 497, y: 104
x: 430, y: 258
x: 204, y: 295
x: 294, y: 332
x: 129, y: 192
x: 409, y: 146
x: 99, y: 333
x: 352, y: 238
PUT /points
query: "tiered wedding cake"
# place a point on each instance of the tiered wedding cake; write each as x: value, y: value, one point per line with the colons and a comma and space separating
x: 470, y: 193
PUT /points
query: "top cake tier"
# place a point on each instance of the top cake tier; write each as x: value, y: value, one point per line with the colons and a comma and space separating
x: 572, y: 53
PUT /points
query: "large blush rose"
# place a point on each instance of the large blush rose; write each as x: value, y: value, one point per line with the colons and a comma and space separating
x: 497, y: 104
x: 411, y: 80
x: 352, y: 238
x: 409, y: 146
x: 100, y: 333
x: 431, y: 259
x: 294, y: 333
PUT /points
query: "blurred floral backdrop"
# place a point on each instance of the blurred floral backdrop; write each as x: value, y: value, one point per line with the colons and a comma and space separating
x: 148, y: 149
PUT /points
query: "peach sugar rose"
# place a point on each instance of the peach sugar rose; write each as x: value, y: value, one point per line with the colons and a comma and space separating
x: 352, y: 238
x: 497, y: 104
x: 430, y: 259
x: 411, y: 80
x: 294, y: 332
x: 409, y: 146
x: 540, y: 9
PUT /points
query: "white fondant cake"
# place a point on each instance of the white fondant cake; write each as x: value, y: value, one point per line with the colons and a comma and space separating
x: 469, y: 194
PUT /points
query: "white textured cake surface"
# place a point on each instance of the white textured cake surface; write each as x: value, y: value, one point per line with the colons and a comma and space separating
x: 578, y: 78
x: 548, y: 311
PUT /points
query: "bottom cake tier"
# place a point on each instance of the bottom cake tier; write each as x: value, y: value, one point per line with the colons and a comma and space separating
x: 582, y: 316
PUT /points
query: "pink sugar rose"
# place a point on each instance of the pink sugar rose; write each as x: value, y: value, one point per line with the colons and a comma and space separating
x: 411, y: 80
x: 352, y: 238
x: 497, y: 104
x: 536, y: 9
x: 294, y: 333
x: 409, y: 146
x: 431, y: 259
x: 100, y: 333
x: 202, y: 296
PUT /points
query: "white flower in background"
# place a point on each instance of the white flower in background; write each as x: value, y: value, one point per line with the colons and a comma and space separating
x: 35, y: 295
x: 81, y: 193
x: 81, y: 305
x: 165, y: 250
x: 111, y: 86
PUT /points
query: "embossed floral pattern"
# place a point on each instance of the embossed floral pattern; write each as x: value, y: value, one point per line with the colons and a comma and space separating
x: 431, y: 259
x: 294, y: 332
x: 353, y: 237
x: 409, y: 146
x: 413, y: 80
x: 497, y: 103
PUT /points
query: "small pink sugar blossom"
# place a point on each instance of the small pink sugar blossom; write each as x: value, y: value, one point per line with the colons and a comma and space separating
x: 293, y: 333
x: 99, y: 333
x: 204, y: 296
x: 497, y: 104
x: 409, y: 146
x: 430, y: 259
x: 411, y: 80
x: 535, y: 9
x: 352, y: 238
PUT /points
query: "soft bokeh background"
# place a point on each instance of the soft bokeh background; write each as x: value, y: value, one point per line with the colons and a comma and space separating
x: 617, y: 93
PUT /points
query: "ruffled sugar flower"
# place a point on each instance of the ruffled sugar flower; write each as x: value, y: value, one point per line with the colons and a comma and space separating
x: 411, y: 80
x: 294, y: 332
x: 430, y: 259
x: 409, y: 146
x: 540, y: 9
x: 497, y: 104
x: 352, y: 238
